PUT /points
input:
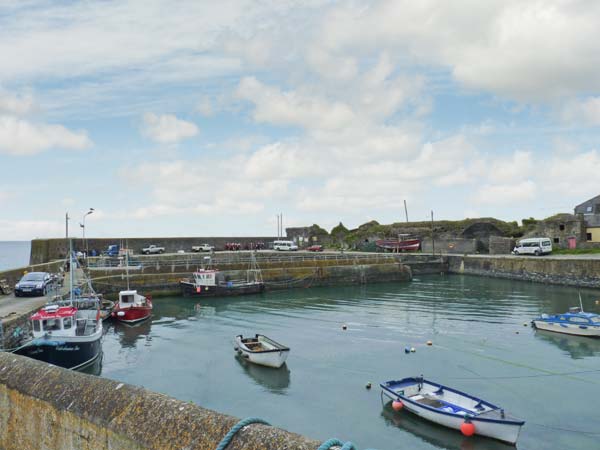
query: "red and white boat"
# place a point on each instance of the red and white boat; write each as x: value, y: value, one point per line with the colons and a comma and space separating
x: 132, y: 307
x: 404, y: 243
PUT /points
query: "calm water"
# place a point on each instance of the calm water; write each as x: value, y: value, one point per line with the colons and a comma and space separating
x: 14, y: 254
x: 479, y: 345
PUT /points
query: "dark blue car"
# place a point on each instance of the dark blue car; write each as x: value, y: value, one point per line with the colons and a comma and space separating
x: 34, y: 284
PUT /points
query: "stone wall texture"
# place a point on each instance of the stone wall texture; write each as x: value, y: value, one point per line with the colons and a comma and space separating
x: 44, y: 407
x: 583, y: 272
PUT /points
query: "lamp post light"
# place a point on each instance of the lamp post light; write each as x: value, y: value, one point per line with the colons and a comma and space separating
x: 82, y: 225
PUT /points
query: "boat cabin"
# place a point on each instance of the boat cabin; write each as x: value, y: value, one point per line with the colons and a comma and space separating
x: 128, y: 299
x: 574, y: 317
x: 61, y: 321
x: 205, y: 277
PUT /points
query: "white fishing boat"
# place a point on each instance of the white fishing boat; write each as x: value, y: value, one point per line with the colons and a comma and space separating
x: 261, y: 350
x: 452, y: 408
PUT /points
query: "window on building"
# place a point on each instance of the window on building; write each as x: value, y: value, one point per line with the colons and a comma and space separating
x: 561, y: 227
x: 588, y: 236
x: 556, y: 240
x: 588, y: 209
x: 597, y: 208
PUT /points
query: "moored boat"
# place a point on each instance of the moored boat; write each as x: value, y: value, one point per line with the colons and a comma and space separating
x: 209, y: 282
x: 575, y: 321
x: 404, y: 243
x: 452, y: 408
x: 132, y: 307
x: 65, y: 336
x: 261, y: 350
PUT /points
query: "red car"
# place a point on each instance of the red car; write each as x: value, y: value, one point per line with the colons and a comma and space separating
x: 315, y: 248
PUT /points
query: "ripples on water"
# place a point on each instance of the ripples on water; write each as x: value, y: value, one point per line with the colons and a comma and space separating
x: 479, y: 345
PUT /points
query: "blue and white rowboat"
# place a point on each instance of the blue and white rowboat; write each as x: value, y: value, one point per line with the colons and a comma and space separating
x: 451, y: 408
x: 574, y: 322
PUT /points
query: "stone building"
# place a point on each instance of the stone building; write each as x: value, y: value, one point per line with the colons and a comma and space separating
x: 564, y: 230
x: 590, y: 211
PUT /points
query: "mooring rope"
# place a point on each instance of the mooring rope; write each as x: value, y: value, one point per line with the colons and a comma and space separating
x: 327, y: 445
x: 337, y: 443
x: 237, y: 427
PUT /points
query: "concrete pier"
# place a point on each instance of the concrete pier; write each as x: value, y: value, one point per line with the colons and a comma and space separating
x: 51, y: 408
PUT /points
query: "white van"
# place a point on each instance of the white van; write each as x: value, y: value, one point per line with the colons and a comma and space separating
x: 285, y: 245
x: 533, y: 246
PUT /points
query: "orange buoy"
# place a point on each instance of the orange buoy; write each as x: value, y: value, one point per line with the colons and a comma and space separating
x: 467, y: 428
x: 397, y: 405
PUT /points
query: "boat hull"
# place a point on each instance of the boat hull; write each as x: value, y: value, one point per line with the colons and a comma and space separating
x: 132, y: 314
x: 502, y: 430
x: 567, y: 328
x: 409, y: 245
x: 270, y: 358
x: 70, y: 353
x: 189, y: 289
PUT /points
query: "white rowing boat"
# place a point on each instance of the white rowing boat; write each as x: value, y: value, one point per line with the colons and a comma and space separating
x: 451, y: 408
x: 261, y: 350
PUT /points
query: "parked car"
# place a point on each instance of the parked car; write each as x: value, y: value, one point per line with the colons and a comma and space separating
x: 34, y: 284
x: 533, y: 246
x: 203, y: 248
x: 315, y: 248
x: 153, y: 249
x: 285, y: 246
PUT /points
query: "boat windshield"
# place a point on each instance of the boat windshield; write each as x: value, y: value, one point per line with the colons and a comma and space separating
x: 595, y: 319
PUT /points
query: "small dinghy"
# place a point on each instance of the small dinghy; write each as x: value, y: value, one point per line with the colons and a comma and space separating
x: 261, y: 350
x: 451, y: 408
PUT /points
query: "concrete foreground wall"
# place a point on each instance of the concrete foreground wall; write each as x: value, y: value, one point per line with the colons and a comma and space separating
x: 49, y: 408
x: 583, y: 272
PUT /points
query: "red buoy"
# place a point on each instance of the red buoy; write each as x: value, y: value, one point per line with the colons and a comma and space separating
x: 467, y: 428
x: 397, y: 405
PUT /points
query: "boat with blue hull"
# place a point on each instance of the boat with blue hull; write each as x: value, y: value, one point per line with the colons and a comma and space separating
x: 452, y: 408
x: 575, y: 321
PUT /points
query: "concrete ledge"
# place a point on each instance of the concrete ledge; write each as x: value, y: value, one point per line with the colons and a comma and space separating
x: 47, y: 407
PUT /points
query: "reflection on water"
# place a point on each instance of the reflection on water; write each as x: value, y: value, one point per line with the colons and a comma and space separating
x: 274, y: 380
x: 95, y: 368
x: 437, y: 435
x: 578, y: 347
x: 479, y: 346
x: 130, y: 334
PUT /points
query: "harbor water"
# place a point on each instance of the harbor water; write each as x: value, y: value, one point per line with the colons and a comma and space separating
x: 480, y: 345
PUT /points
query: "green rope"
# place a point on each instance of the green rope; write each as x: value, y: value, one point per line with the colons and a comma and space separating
x: 237, y: 427
x: 337, y: 443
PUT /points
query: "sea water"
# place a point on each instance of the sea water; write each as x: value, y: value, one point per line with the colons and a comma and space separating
x: 482, y: 344
x: 14, y: 254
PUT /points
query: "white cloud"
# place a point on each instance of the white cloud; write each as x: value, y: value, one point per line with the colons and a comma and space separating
x: 28, y: 229
x: 292, y: 108
x: 167, y: 129
x: 572, y: 175
x: 520, y: 165
x: 21, y: 137
x: 583, y: 112
x: 17, y: 105
x: 506, y: 194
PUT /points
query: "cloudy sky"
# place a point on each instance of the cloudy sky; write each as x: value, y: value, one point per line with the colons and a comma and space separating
x: 209, y: 118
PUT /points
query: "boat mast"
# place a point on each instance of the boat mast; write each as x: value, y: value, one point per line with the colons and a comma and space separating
x: 580, y: 302
x: 127, y: 263
x: 71, y: 270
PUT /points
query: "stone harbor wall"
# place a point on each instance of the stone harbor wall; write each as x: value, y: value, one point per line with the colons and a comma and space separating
x: 51, y: 408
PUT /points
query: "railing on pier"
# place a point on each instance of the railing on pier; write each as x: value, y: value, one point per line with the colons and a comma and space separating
x: 234, y: 258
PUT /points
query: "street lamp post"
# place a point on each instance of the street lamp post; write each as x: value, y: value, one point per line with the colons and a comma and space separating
x: 82, y: 225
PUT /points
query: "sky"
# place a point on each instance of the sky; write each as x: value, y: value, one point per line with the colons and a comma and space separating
x: 203, y: 118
